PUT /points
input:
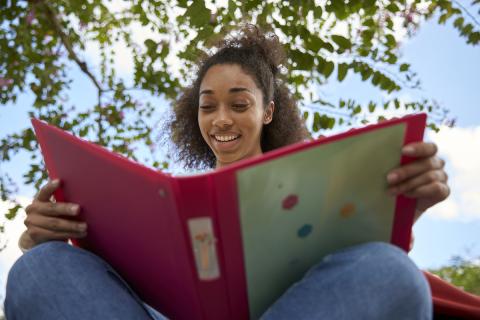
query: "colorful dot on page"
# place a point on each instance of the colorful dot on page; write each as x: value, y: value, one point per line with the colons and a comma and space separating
x: 347, y: 210
x: 305, y: 231
x: 290, y: 201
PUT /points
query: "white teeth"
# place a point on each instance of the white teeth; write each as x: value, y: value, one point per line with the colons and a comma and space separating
x: 226, y: 138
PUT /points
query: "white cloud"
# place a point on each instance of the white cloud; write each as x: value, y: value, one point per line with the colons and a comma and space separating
x: 459, y: 147
x: 13, y: 230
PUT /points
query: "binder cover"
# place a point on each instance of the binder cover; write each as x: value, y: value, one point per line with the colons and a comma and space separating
x: 226, y: 244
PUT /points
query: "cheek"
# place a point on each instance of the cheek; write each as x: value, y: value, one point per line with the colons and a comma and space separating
x: 202, y: 124
x: 202, y: 120
x: 255, y: 121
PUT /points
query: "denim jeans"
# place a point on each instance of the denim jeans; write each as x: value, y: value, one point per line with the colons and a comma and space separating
x: 370, y: 281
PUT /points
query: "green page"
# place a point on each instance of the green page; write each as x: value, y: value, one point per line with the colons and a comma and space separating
x: 298, y: 208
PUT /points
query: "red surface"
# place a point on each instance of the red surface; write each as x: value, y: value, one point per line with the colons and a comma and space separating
x: 452, y: 302
x: 130, y: 224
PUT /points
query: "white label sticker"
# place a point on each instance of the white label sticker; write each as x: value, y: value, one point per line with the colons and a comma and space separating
x: 204, y: 250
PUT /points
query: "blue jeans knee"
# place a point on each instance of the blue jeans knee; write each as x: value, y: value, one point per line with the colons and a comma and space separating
x: 368, y: 281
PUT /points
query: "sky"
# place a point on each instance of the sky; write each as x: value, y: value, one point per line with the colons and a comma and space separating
x: 449, y: 72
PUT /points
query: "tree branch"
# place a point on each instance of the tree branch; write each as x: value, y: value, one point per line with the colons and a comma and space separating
x: 82, y: 64
x: 467, y: 12
x: 66, y: 43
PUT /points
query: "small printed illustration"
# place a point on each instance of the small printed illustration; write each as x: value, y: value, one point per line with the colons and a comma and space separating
x: 203, y: 242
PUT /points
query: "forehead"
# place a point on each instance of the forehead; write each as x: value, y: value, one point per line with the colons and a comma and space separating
x: 227, y: 76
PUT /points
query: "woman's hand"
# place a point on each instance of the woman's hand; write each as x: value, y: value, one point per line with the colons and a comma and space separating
x: 423, y: 179
x: 47, y: 220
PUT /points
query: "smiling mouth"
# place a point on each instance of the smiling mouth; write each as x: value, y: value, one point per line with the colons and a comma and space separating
x: 228, y: 138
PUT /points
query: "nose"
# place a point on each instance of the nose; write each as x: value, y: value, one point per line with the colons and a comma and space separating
x: 222, y: 118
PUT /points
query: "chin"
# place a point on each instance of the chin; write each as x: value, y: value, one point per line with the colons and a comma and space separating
x: 228, y: 159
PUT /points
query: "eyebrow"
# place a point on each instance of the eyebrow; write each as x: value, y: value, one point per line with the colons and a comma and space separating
x: 232, y: 90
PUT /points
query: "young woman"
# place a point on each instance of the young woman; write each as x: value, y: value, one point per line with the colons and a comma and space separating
x: 238, y: 107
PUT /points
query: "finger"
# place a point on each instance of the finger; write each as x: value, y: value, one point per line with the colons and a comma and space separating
x: 413, y: 169
x: 437, y: 190
x: 53, y: 209
x: 39, y: 235
x: 412, y: 242
x: 55, y: 224
x: 417, y: 181
x: 47, y: 190
x: 420, y: 149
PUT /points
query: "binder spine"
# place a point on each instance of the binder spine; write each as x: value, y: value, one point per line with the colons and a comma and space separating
x: 404, y: 206
x: 198, y: 213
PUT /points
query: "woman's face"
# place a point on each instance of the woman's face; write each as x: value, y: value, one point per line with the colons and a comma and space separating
x: 231, y: 113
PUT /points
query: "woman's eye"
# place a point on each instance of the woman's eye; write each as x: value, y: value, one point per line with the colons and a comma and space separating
x: 240, y: 105
x: 207, y: 107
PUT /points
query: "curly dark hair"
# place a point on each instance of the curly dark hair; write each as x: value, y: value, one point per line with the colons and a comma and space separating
x: 261, y: 56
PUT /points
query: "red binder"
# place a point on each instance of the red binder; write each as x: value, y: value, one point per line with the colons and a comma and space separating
x: 188, y: 246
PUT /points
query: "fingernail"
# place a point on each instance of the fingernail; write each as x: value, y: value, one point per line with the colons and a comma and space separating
x: 55, y: 182
x: 82, y: 227
x: 392, y: 177
x: 408, y: 150
x: 74, y: 209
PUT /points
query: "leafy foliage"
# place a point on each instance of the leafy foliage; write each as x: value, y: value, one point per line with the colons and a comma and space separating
x: 41, y: 41
x: 462, y: 273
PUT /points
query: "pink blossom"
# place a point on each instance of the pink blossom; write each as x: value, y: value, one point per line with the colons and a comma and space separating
x: 30, y: 16
x: 410, y: 17
x: 4, y: 82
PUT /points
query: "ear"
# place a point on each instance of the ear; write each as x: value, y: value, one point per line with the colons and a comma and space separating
x: 268, y: 113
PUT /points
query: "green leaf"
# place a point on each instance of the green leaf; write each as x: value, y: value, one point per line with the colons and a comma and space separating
x: 304, y: 60
x: 322, y: 122
x: 391, y: 42
x: 12, y: 212
x: 342, y: 42
x: 404, y: 67
x: 317, y: 12
x: 342, y: 71
x: 327, y: 68
x: 316, y: 122
x: 315, y: 43
x: 83, y: 132
x: 377, y: 77
x: 458, y: 23
x: 397, y: 104
x: 392, y: 7
x: 366, y: 72
x: 199, y: 14
x: 357, y: 110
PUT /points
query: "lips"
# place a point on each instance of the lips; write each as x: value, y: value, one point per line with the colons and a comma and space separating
x: 225, y: 136
x: 225, y: 141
